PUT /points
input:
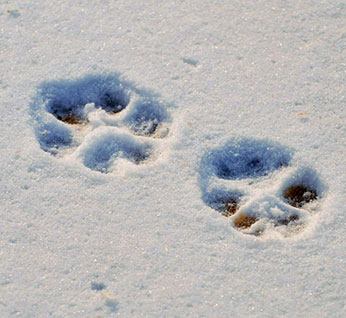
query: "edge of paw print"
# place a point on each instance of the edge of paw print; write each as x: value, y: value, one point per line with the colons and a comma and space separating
x: 252, y: 182
x: 67, y: 113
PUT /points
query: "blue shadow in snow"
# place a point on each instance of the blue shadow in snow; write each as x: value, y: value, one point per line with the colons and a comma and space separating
x: 52, y: 136
x: 146, y: 117
x: 66, y: 98
x: 218, y: 198
x: 104, y: 150
x: 245, y: 158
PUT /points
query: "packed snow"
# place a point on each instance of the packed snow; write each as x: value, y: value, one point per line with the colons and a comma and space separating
x: 172, y: 158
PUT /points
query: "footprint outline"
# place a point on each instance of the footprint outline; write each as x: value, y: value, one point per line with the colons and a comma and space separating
x: 66, y: 111
x: 251, y: 213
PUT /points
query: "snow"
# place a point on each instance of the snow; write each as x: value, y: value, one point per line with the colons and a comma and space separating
x: 130, y: 129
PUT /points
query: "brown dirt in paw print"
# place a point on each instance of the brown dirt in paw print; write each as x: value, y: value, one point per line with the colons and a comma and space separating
x: 230, y: 208
x: 72, y: 120
x: 244, y: 221
x: 292, y: 218
x: 298, y: 195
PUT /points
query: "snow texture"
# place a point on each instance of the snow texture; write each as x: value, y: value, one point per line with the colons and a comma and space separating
x: 172, y: 158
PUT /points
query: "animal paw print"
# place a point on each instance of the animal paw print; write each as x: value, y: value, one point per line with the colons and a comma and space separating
x: 100, y: 120
x: 252, y: 182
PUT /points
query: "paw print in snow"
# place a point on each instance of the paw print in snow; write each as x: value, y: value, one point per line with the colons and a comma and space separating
x: 100, y: 120
x: 252, y: 182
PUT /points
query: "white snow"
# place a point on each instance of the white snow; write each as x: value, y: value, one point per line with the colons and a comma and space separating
x: 128, y: 127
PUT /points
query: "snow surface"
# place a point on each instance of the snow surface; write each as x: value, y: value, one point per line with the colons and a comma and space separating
x: 179, y: 106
